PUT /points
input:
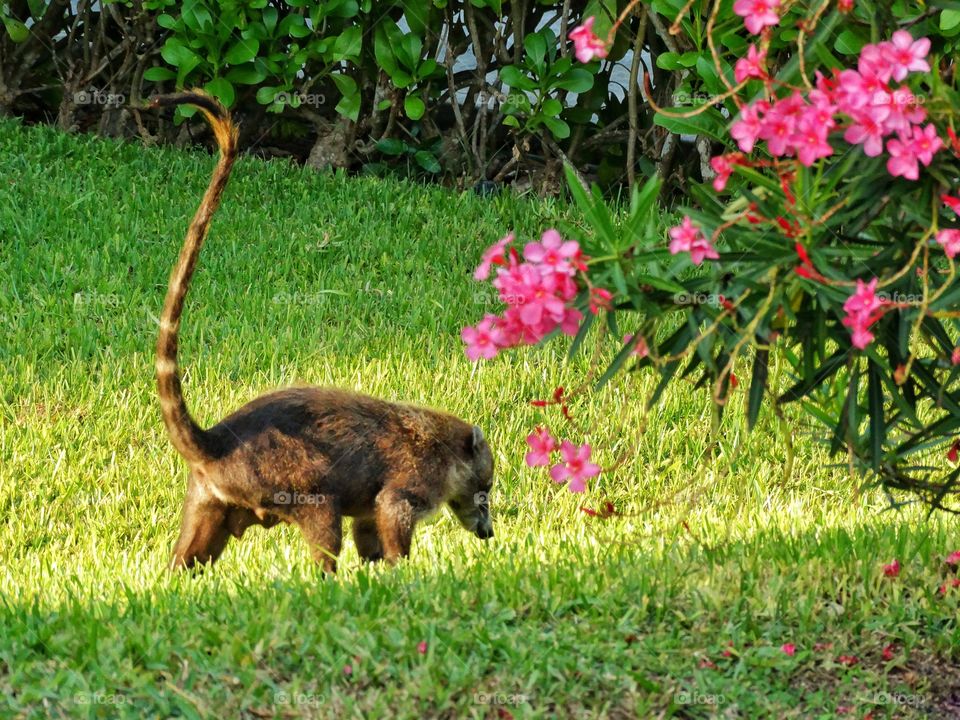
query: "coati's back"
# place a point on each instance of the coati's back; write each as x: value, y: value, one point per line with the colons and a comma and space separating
x: 324, y: 441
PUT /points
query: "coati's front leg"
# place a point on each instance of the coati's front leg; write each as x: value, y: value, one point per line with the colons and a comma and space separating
x: 204, y: 531
x: 321, y: 525
x: 397, y: 513
x: 367, y: 539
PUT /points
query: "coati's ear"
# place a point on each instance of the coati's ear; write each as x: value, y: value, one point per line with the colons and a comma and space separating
x: 477, y: 440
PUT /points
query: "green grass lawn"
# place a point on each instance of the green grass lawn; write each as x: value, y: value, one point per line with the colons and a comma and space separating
x: 676, y: 607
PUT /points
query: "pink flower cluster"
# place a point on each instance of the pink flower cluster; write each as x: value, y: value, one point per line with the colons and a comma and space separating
x: 757, y: 14
x: 575, y: 467
x: 687, y: 237
x: 537, y: 291
x: 586, y: 44
x: 863, y: 309
x: 950, y: 239
x: 798, y: 125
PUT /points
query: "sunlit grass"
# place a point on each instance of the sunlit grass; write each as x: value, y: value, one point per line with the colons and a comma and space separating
x: 364, y: 284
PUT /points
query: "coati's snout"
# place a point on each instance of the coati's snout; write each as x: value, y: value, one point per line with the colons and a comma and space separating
x: 472, y: 504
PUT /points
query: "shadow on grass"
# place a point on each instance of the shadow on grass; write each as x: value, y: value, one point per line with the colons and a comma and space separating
x: 605, y: 630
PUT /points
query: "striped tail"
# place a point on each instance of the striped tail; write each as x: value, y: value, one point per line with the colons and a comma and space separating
x: 187, y: 437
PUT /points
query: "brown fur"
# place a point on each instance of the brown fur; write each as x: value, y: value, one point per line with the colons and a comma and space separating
x: 308, y: 455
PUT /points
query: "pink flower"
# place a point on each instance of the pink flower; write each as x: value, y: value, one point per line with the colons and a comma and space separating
x: 892, y: 570
x: 348, y: 670
x: 811, y: 142
x: 906, y: 151
x: 723, y: 166
x: 747, y: 127
x: 757, y: 14
x: 479, y: 339
x: 789, y: 649
x: 950, y: 239
x: 640, y: 348
x: 926, y: 143
x: 888, y: 651
x: 952, y: 203
x: 955, y: 360
x: 493, y: 255
x: 903, y: 159
x: 863, y: 309
x: 867, y: 129
x: 600, y: 300
x: 752, y: 66
x: 541, y: 443
x: 552, y: 254
x: 586, y: 44
x: 953, y: 558
x: 687, y: 238
x: 848, y: 660
x: 422, y: 647
x: 576, y: 466
x: 907, y: 55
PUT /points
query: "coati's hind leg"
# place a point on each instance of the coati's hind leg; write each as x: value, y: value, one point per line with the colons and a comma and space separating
x: 367, y: 539
x: 204, y: 530
x: 397, y: 514
x: 321, y: 525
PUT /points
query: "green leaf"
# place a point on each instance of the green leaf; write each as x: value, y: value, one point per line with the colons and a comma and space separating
x: 949, y: 19
x: 849, y: 43
x: 535, y: 45
x: 250, y: 74
x: 392, y: 146
x: 576, y: 80
x: 270, y: 19
x: 709, y: 123
x: 758, y: 386
x: 242, y: 51
x: 427, y: 161
x: 157, y: 74
x: 348, y: 44
x: 349, y: 105
x: 513, y: 77
x: 222, y: 89
x: 16, y: 30
x: 551, y: 107
x: 558, y: 128
x: 414, y: 107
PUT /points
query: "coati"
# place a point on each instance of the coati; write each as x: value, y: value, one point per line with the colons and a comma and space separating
x: 308, y: 455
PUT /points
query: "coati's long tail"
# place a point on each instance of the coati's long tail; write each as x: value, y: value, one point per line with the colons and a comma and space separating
x: 187, y: 437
